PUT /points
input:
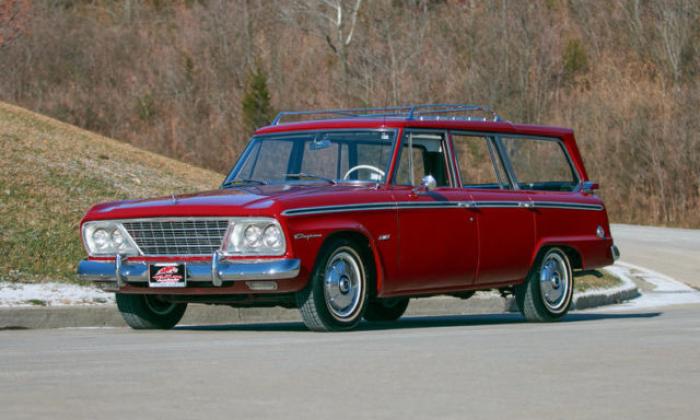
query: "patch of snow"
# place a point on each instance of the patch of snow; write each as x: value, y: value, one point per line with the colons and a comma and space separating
x: 51, y: 294
x: 666, y: 291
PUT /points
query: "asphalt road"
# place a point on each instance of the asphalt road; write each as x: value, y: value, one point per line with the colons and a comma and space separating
x: 674, y: 252
x: 640, y: 363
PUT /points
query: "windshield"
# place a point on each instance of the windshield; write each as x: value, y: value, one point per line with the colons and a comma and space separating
x: 328, y: 156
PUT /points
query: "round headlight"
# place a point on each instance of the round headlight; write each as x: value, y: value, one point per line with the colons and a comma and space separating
x: 101, y: 238
x: 252, y: 235
x: 117, y: 238
x: 272, y: 237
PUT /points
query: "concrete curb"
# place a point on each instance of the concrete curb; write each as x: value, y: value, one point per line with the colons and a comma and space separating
x: 594, y: 298
x: 108, y: 315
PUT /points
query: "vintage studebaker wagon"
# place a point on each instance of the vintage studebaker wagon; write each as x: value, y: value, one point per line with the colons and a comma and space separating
x: 347, y: 214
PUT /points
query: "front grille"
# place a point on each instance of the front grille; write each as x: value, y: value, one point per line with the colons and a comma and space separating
x: 178, y: 237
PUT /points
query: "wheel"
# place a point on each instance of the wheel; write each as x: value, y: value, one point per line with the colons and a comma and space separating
x: 386, y: 309
x: 547, y: 291
x: 335, y: 298
x: 148, y: 312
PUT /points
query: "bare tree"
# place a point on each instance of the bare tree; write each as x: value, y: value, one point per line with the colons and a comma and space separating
x: 675, y: 20
x: 332, y: 20
x: 13, y: 18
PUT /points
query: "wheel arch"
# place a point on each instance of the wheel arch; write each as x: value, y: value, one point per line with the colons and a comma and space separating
x: 362, y: 238
x: 572, y: 253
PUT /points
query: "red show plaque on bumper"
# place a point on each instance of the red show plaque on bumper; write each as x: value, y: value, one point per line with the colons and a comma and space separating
x: 167, y: 275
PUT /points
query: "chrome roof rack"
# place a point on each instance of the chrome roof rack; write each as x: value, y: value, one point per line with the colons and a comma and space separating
x: 409, y: 113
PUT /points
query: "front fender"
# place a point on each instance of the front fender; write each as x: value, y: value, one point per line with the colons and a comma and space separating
x: 308, y: 235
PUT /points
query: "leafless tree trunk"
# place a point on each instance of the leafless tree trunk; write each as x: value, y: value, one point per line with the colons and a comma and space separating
x: 675, y: 22
x: 13, y: 18
x: 332, y: 20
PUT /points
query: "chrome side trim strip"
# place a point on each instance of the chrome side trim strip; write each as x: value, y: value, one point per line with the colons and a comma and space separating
x: 497, y: 204
x: 339, y: 209
x: 563, y: 205
x: 303, y: 211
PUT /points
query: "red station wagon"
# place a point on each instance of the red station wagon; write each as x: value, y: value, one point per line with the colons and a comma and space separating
x: 347, y: 214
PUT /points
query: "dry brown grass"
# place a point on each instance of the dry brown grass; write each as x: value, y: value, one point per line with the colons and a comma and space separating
x: 52, y: 173
x: 595, y: 279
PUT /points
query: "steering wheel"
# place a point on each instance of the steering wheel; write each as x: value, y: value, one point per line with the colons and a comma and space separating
x: 358, y: 167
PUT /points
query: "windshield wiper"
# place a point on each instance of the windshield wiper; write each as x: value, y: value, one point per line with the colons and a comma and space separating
x: 301, y: 175
x: 242, y: 182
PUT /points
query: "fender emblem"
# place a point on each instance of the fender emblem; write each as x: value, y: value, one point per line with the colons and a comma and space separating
x: 306, y: 236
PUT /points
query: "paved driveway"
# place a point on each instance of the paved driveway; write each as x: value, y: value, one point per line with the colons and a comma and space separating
x: 674, y: 252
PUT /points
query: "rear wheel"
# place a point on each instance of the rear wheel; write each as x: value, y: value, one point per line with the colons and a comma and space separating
x: 547, y: 292
x: 146, y: 312
x: 336, y: 296
x: 386, y: 309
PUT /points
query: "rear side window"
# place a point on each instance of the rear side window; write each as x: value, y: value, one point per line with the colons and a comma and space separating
x: 478, y: 162
x: 540, y: 164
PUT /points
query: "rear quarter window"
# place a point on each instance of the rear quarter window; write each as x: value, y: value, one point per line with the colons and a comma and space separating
x: 540, y: 164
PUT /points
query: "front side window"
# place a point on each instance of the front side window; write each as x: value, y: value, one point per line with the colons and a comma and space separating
x: 331, y: 156
x: 478, y: 162
x: 540, y: 164
x: 422, y: 154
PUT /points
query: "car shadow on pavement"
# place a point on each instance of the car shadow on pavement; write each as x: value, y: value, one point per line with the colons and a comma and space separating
x: 418, y: 322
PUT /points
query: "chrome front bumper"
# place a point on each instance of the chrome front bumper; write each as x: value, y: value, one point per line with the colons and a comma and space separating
x: 121, y: 271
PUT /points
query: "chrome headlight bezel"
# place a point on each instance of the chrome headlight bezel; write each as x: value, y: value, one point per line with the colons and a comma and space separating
x: 254, y: 236
x: 108, y: 230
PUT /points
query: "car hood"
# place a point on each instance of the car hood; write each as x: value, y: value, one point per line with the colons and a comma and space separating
x: 239, y: 201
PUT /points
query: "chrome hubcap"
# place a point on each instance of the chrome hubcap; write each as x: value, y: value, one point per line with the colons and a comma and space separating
x: 555, y: 282
x: 343, y: 283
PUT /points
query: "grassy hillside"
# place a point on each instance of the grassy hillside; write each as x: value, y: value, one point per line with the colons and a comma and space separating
x: 52, y: 173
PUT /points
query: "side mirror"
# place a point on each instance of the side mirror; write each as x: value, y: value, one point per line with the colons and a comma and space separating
x: 426, y: 184
x: 588, y: 187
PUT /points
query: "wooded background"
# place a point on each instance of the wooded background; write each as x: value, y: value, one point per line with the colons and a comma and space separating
x: 190, y: 79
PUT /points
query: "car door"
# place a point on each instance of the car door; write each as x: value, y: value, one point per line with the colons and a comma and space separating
x: 503, y: 215
x: 437, y: 237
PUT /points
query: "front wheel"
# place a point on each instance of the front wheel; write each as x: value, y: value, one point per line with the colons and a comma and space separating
x: 149, y: 312
x: 336, y: 295
x: 547, y: 292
